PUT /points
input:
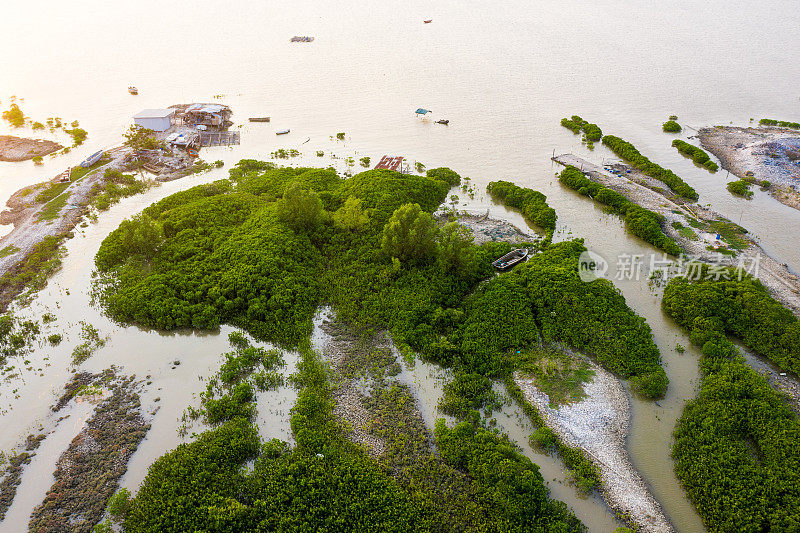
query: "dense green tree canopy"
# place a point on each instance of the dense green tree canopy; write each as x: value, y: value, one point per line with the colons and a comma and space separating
x: 410, y: 234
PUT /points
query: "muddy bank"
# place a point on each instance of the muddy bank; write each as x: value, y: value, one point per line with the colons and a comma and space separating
x: 598, y: 425
x: 763, y: 153
x: 486, y: 229
x: 87, y: 473
x: 695, y: 229
x: 12, y: 475
x: 46, y: 213
x: 21, y: 149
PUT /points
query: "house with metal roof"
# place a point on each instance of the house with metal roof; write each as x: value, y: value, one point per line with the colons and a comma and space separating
x: 154, y: 119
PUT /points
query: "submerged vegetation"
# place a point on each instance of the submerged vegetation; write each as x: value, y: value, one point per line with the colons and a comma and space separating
x: 779, y: 123
x: 264, y: 250
x: 727, y: 305
x: 533, y: 204
x: 592, y: 132
x: 740, y: 188
x: 628, y: 152
x: 698, y: 155
x: 641, y: 222
x: 478, y: 482
x: 116, y: 186
x: 735, y: 445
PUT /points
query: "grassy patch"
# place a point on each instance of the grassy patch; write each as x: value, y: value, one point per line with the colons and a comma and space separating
x: 53, y: 207
x: 52, y: 190
x: 556, y: 373
x: 683, y: 231
x: 730, y: 233
x: 8, y: 250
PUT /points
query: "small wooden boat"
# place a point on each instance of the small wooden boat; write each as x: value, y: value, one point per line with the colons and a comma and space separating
x: 133, y: 90
x: 510, y: 259
x: 258, y: 119
x: 428, y: 21
x: 443, y: 121
x: 192, y: 152
x: 282, y: 132
x: 92, y: 159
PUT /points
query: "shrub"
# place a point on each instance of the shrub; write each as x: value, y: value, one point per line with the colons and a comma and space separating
x: 628, y: 152
x: 592, y: 132
x: 779, y: 123
x: 533, y: 204
x: 640, y: 221
x: 15, y: 116
x: 735, y: 444
x: 671, y: 126
x: 699, y: 156
x: 740, y: 188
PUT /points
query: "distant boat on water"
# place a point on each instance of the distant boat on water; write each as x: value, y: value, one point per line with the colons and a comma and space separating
x: 258, y: 119
x: 428, y: 21
x: 133, y: 90
x: 92, y: 159
x: 282, y: 132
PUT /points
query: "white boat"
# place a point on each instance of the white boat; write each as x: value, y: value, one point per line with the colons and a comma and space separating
x: 92, y: 159
x: 282, y: 132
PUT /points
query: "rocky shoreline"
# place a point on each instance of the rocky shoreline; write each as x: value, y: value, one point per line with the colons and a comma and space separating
x: 485, y: 229
x: 16, y: 149
x: 782, y: 284
x: 598, y: 425
x: 762, y: 153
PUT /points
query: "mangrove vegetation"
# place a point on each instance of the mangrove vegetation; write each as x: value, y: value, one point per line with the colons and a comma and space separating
x: 698, y: 155
x: 735, y: 445
x: 629, y: 153
x: 642, y: 222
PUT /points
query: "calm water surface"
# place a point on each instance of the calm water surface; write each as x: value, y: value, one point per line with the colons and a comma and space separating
x: 504, y: 74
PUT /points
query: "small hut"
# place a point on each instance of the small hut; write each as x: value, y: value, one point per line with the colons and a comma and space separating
x: 216, y: 116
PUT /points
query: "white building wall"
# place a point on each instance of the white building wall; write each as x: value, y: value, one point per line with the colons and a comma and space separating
x: 155, y: 124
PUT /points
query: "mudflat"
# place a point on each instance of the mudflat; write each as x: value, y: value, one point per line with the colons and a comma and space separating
x: 21, y: 149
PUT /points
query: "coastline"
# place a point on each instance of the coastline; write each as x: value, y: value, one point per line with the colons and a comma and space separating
x: 782, y: 284
x: 15, y: 149
x: 734, y: 147
x: 598, y: 425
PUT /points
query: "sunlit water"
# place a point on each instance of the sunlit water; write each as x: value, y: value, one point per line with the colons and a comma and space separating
x: 504, y: 74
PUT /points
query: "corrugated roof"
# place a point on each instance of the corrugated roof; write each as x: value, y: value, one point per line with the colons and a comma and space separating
x: 154, y: 113
x: 206, y: 108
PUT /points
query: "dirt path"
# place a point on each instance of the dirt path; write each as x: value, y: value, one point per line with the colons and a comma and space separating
x: 21, y: 149
x: 29, y: 230
x: 782, y: 284
x: 598, y: 425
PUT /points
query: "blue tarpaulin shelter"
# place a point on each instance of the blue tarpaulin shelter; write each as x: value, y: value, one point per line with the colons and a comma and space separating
x: 421, y: 111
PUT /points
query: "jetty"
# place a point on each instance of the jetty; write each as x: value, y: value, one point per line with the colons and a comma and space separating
x: 218, y: 138
x: 587, y: 167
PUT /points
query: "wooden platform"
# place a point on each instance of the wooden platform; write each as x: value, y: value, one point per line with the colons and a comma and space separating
x: 218, y: 138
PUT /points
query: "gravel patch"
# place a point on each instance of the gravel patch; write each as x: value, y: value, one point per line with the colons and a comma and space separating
x: 766, y: 153
x: 21, y: 149
x: 486, y: 229
x: 598, y: 425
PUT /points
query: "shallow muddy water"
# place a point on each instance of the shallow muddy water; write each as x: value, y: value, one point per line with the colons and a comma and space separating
x: 504, y: 74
